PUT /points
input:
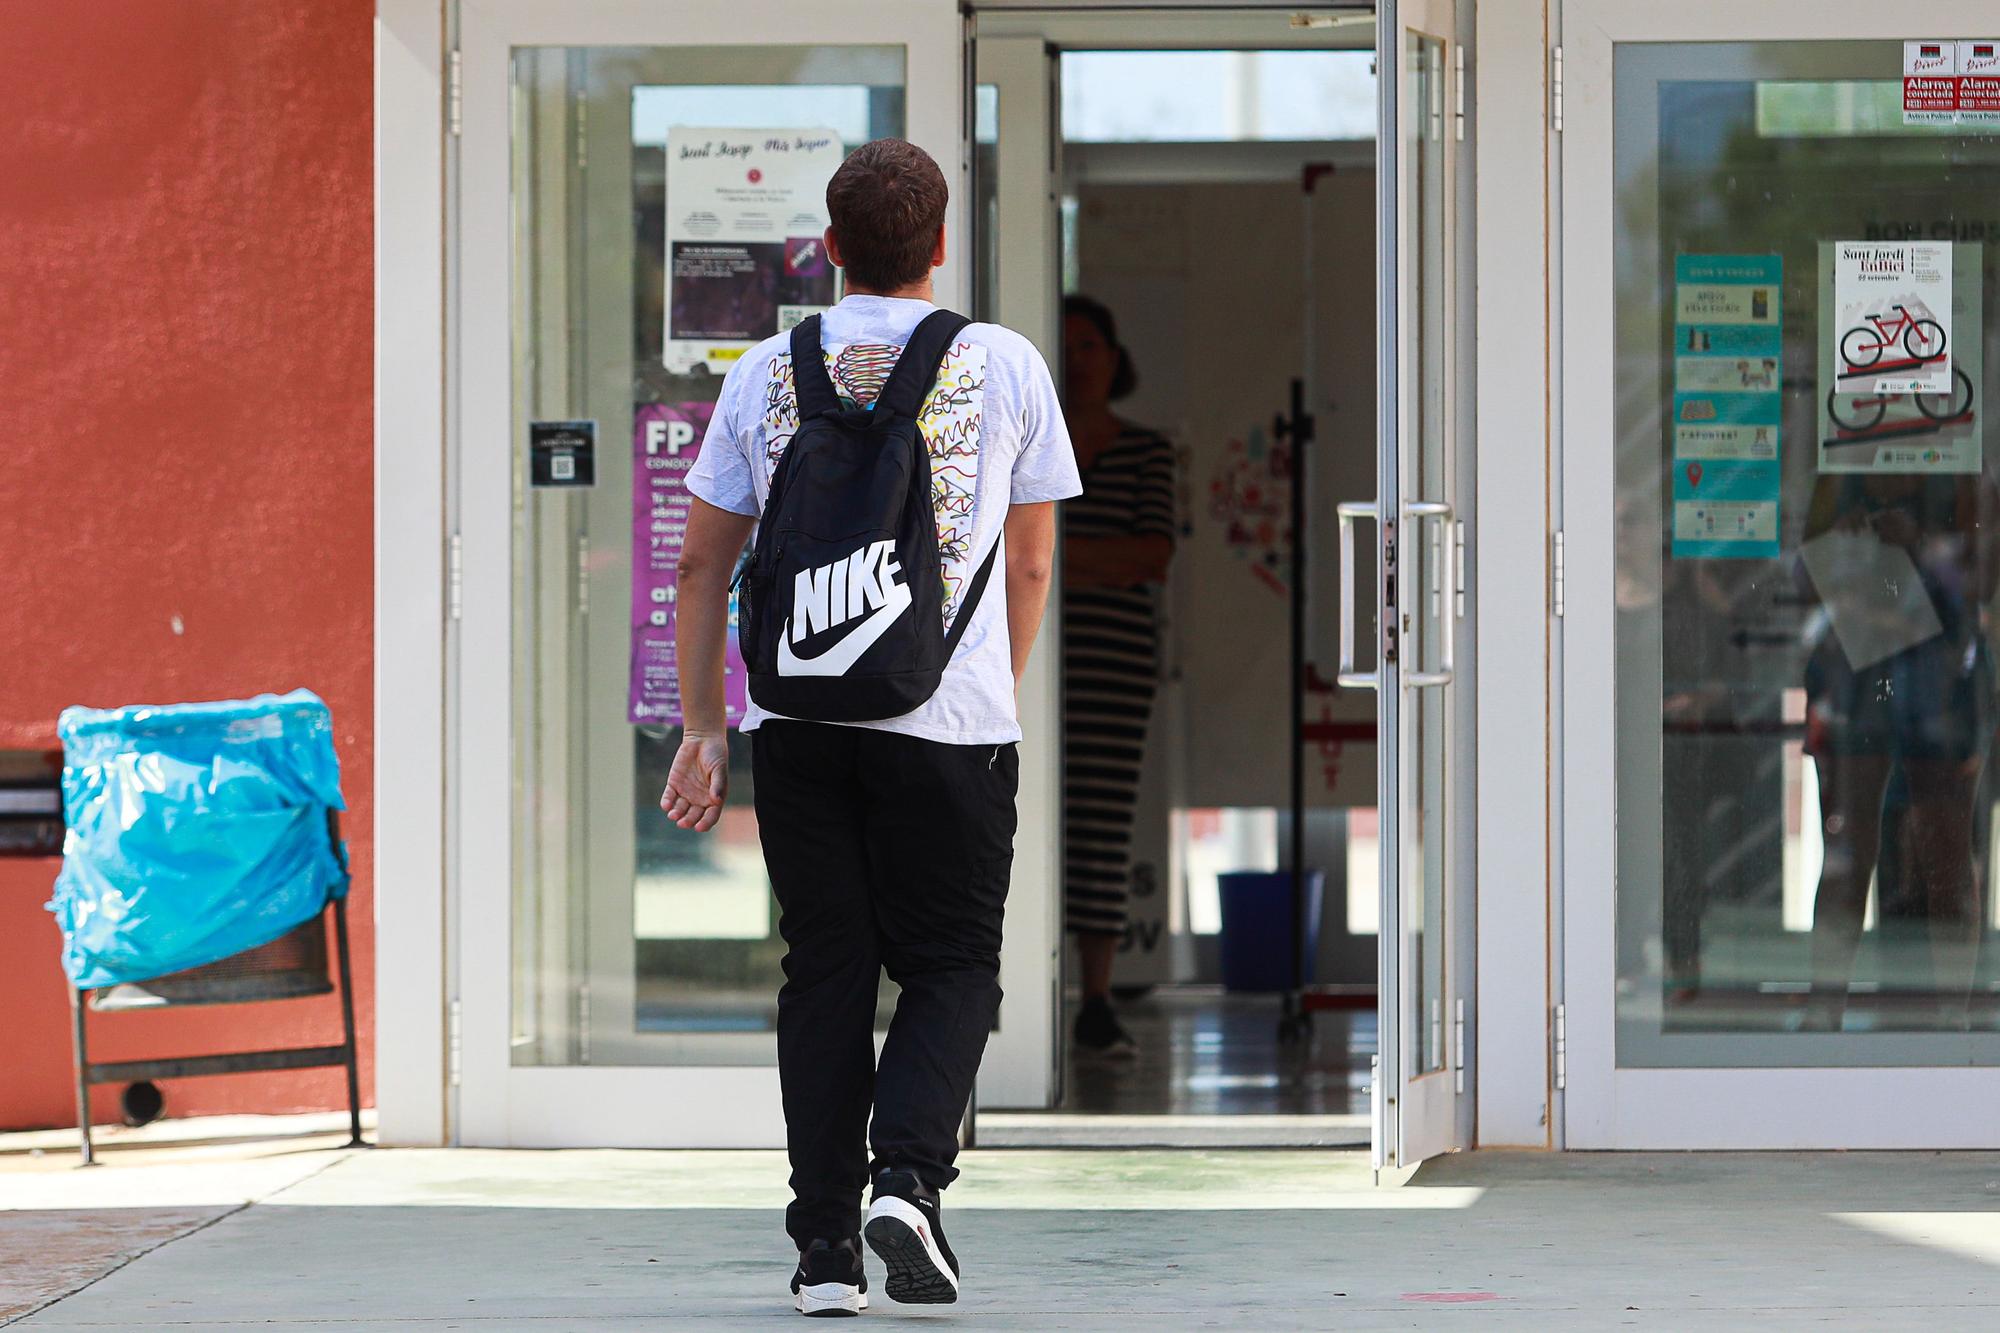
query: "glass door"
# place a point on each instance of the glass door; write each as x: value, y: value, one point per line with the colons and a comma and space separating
x: 1780, y: 338
x: 1430, y: 1045
x: 638, y: 201
x: 1420, y: 665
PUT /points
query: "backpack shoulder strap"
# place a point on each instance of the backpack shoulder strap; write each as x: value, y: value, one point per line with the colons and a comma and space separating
x: 917, y: 367
x: 809, y: 377
x: 970, y: 601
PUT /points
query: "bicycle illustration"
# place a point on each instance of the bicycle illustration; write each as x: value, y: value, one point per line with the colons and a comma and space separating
x: 1860, y: 412
x: 1862, y: 346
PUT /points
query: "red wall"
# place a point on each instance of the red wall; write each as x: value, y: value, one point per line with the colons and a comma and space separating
x: 186, y: 327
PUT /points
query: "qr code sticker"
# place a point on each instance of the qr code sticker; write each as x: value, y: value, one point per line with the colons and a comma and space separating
x: 563, y: 467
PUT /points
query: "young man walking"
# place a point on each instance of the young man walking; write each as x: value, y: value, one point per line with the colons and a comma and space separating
x: 904, y: 465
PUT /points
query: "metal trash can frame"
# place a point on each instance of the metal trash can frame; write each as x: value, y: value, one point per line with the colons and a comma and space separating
x: 227, y: 981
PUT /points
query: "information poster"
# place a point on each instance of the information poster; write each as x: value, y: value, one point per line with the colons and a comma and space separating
x: 666, y: 440
x: 1897, y: 384
x: 1728, y: 406
x: 745, y: 254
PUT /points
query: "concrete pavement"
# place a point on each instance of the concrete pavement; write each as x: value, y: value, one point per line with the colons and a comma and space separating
x: 307, y: 1237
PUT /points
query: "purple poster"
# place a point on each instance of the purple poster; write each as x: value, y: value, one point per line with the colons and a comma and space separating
x: 666, y: 439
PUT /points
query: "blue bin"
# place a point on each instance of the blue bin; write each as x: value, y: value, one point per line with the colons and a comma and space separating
x: 195, y: 832
x: 1261, y: 949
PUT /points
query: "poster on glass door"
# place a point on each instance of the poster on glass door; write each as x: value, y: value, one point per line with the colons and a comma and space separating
x: 1727, y: 406
x: 745, y: 254
x: 1897, y: 385
x: 1979, y: 82
x: 1951, y: 82
x: 666, y: 440
x: 1892, y: 315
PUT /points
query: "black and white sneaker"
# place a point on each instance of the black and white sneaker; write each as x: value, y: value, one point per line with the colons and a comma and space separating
x: 906, y: 1229
x: 830, y: 1280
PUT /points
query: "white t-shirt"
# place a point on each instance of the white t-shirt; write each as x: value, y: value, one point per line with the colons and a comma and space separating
x: 996, y: 439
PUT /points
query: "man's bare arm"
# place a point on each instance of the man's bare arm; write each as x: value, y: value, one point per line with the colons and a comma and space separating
x: 1031, y: 554
x: 699, y: 782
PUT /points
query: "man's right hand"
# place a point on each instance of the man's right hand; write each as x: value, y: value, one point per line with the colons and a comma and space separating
x: 699, y: 782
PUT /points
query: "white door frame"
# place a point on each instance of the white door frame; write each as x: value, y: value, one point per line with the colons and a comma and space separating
x: 640, y: 1106
x: 1606, y: 1106
x: 1514, y: 143
x: 411, y: 983
x: 1151, y: 25
x: 1020, y: 1067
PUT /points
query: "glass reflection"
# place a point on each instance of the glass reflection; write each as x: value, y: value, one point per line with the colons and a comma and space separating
x: 1805, y: 570
x: 634, y: 942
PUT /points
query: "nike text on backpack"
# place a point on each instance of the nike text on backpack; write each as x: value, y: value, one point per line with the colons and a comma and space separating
x: 841, y: 612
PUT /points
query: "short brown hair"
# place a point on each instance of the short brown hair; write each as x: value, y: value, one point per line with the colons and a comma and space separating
x: 887, y: 204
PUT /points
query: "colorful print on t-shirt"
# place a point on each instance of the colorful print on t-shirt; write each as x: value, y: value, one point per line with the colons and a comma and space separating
x: 949, y: 423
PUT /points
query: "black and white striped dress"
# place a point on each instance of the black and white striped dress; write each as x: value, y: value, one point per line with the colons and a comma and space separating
x: 1111, y: 662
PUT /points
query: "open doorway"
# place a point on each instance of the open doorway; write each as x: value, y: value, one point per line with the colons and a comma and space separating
x: 1216, y: 248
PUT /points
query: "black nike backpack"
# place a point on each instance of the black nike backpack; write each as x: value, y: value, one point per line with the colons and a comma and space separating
x: 840, y: 612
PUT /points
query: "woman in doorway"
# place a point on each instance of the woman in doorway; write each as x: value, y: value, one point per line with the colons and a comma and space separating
x: 1117, y: 540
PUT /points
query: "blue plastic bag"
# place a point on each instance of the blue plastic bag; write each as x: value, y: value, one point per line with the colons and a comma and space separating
x: 196, y: 831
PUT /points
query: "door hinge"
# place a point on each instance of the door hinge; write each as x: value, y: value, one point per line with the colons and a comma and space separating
x: 1437, y: 109
x: 1556, y: 89
x: 1556, y: 569
x: 583, y: 1023
x: 1052, y: 63
x: 1458, y: 567
x: 454, y: 1045
x: 583, y: 573
x: 1458, y: 86
x: 1562, y: 1050
x: 582, y: 132
x: 454, y: 100
x: 1458, y: 1045
x: 454, y: 578
x: 1382, y: 1147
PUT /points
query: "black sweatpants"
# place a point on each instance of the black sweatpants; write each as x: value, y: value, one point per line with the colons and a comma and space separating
x: 885, y: 852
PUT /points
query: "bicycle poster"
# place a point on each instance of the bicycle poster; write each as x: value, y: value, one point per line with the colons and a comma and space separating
x: 1892, y: 301
x: 1897, y: 388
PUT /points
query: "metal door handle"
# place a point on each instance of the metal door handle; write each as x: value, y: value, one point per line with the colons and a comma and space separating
x: 1443, y: 589
x: 1347, y: 675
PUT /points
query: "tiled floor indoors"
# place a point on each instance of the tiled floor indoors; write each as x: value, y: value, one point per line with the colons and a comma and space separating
x: 1210, y: 1072
x: 1205, y: 1051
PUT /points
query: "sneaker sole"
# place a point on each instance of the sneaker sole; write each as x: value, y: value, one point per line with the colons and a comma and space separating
x: 900, y: 1236
x: 830, y: 1300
